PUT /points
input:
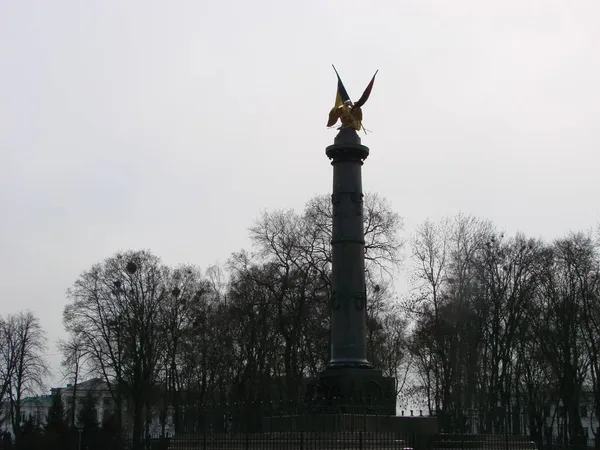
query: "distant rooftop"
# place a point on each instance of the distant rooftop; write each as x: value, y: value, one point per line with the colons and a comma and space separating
x: 93, y: 384
x: 40, y: 400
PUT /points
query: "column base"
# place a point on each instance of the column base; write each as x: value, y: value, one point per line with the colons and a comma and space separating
x: 352, y: 390
x: 350, y: 364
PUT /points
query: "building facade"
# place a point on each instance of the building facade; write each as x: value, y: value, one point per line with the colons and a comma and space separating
x: 74, y: 399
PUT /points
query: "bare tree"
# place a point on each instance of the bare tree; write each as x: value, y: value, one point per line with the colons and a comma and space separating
x: 584, y: 254
x: 184, y: 315
x: 281, y: 241
x: 387, y: 334
x: 257, y: 308
x: 536, y: 381
x: 381, y: 225
x: 9, y: 353
x: 450, y: 309
x: 26, y: 344
x: 116, y: 309
x: 74, y: 366
x: 569, y: 292
x: 506, y: 276
x: 560, y: 334
x: 294, y: 250
x: 280, y: 288
x: 430, y: 249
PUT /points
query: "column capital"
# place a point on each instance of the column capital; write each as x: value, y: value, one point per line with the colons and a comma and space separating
x: 347, y: 147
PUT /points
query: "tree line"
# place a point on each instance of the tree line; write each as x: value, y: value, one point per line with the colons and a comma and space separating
x: 504, y: 326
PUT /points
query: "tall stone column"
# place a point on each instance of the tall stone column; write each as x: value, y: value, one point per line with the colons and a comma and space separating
x: 348, y: 290
x: 349, y: 384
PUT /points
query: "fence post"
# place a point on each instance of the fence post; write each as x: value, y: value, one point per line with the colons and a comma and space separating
x: 302, y: 440
x: 360, y: 440
x: 247, y: 443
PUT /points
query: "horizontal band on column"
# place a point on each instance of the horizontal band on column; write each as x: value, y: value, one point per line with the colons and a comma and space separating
x: 351, y: 241
x: 347, y: 193
x: 347, y: 153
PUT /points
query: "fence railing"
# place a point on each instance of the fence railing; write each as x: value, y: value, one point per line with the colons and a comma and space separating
x: 295, y: 440
x: 343, y: 440
x: 267, y: 426
x: 301, y: 440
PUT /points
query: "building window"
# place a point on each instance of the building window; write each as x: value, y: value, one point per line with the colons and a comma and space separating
x: 106, y: 409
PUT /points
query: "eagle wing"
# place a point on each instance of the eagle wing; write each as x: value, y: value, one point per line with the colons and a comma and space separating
x: 363, y: 98
x: 334, y: 115
x: 357, y: 113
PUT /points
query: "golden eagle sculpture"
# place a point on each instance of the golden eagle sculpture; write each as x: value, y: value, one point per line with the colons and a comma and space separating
x: 349, y: 114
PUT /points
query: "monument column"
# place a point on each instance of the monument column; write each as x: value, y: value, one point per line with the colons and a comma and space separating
x: 348, y: 290
x: 349, y: 384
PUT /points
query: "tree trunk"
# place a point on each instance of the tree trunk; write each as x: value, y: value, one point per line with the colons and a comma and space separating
x: 74, y: 399
x: 137, y: 423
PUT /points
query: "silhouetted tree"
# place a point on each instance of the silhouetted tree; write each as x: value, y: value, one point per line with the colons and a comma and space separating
x: 87, y: 420
x: 26, y: 344
x: 73, y: 363
x: 56, y: 429
x: 449, y: 325
x: 7, y: 441
x: 116, y: 311
x: 561, y: 327
x: 291, y: 269
x: 31, y: 436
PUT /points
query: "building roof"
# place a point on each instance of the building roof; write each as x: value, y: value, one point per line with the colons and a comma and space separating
x: 37, y: 401
x: 93, y: 384
x: 40, y: 400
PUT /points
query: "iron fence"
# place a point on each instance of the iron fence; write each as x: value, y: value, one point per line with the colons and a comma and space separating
x: 289, y: 441
x: 298, y: 440
x: 266, y: 426
x: 342, y: 440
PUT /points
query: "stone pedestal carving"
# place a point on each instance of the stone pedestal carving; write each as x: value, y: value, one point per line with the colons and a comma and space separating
x: 352, y: 391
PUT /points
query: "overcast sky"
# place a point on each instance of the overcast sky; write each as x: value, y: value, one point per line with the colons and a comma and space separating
x: 169, y: 125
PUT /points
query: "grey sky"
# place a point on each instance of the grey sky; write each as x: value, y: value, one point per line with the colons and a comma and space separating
x: 170, y: 125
